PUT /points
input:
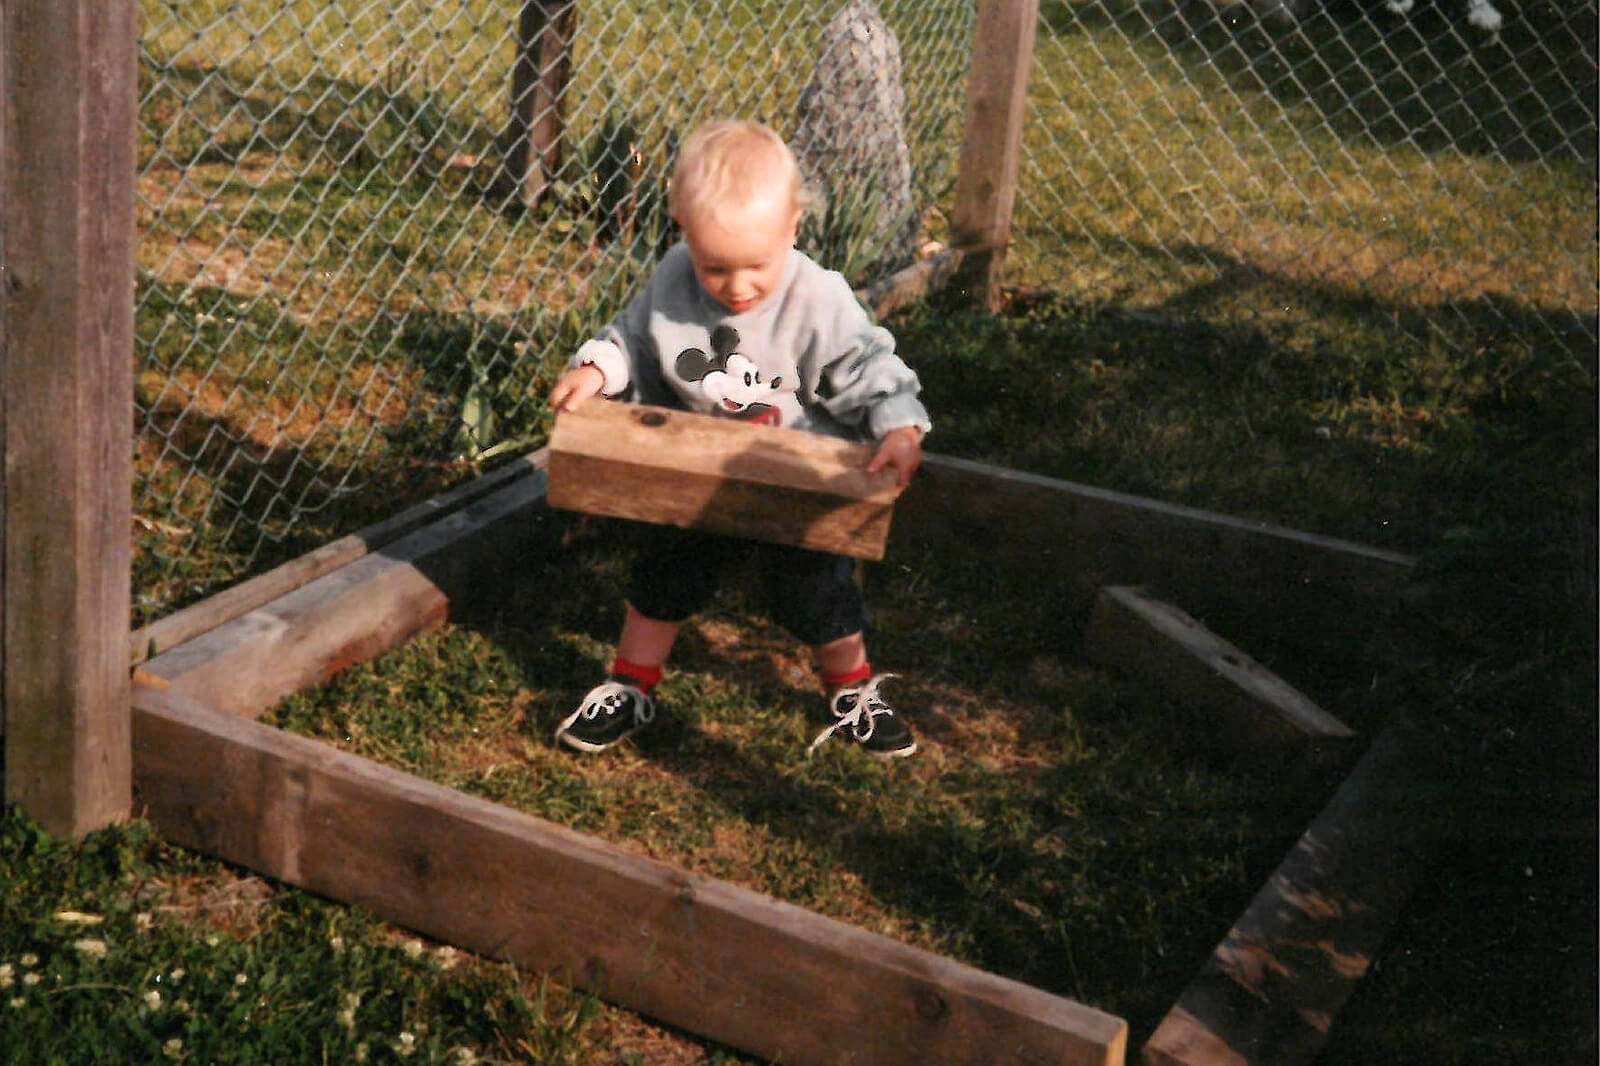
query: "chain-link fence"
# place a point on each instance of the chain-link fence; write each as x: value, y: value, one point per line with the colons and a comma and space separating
x: 367, y: 243
x: 1221, y: 159
x: 370, y: 231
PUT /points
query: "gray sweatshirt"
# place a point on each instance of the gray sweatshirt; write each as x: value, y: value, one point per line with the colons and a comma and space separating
x: 807, y: 358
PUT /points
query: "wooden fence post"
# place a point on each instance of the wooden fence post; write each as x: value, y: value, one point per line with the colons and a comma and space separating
x: 539, y: 79
x: 68, y: 104
x: 991, y: 147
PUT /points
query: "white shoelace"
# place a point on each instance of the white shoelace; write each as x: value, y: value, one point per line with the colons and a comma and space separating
x: 858, y: 719
x: 607, y: 698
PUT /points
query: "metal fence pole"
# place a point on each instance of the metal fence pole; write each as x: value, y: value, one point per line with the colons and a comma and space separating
x: 67, y: 121
x: 991, y: 148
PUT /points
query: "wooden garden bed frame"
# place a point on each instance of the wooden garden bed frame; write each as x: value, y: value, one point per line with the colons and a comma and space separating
x: 714, y: 959
x: 732, y: 965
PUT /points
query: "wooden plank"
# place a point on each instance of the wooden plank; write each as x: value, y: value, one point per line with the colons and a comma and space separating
x: 913, y: 283
x: 237, y: 600
x: 1271, y: 990
x: 68, y: 103
x: 651, y: 464
x: 356, y: 612
x: 733, y: 965
x: 1261, y: 583
x: 1242, y: 709
x: 991, y: 146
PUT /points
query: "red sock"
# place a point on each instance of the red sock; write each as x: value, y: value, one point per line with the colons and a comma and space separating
x: 641, y: 677
x: 849, y: 677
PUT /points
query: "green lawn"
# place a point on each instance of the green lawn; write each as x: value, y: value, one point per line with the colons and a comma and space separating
x: 1347, y: 334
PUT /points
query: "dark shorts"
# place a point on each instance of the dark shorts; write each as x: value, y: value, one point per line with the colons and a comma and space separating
x: 811, y: 594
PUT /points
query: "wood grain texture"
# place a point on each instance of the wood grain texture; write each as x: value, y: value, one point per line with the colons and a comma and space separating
x: 68, y: 103
x: 237, y: 600
x: 1258, y: 582
x: 733, y: 965
x: 991, y: 145
x: 1271, y: 990
x: 356, y: 612
x: 650, y: 464
x: 1233, y: 703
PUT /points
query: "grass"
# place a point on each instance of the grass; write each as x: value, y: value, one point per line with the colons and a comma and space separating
x: 1047, y: 832
x: 1236, y: 289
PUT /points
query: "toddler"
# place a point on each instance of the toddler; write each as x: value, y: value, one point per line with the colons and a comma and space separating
x: 736, y: 323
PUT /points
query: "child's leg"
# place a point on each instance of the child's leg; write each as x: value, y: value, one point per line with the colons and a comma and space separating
x: 816, y: 597
x: 672, y: 577
x: 643, y: 647
x: 842, y: 661
x: 861, y: 713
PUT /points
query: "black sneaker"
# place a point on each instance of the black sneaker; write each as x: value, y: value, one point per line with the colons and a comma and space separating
x: 865, y: 718
x: 611, y: 713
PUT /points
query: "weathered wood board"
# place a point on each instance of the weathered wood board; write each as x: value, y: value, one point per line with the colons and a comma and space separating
x: 228, y: 792
x: 358, y: 611
x: 1241, y: 707
x: 733, y: 965
x: 1270, y: 991
x: 1253, y: 580
x: 651, y: 464
x: 238, y: 600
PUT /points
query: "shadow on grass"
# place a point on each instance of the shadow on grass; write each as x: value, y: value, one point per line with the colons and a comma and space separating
x: 1426, y: 79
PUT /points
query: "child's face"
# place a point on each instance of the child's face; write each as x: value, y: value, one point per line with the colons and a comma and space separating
x: 740, y: 263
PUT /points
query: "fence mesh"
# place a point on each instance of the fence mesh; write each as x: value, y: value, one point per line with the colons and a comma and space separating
x: 350, y: 290
x: 1217, y: 159
x: 356, y: 281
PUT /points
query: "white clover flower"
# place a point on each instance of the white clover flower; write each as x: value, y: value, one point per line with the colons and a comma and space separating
x: 465, y: 1056
x: 405, y: 1044
x: 447, y: 957
x: 143, y: 921
x: 1483, y: 14
x: 29, y: 960
x: 30, y: 979
x: 241, y: 978
x: 16, y: 1002
x: 182, y: 1006
x: 177, y: 975
x: 7, y: 975
x: 78, y: 918
x: 173, y: 1048
x: 1401, y: 7
x: 337, y: 943
x: 91, y: 949
x: 152, y: 999
x: 347, y: 1017
x: 413, y: 949
x: 213, y: 940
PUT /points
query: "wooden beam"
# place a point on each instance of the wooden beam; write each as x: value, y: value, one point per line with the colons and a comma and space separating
x: 1266, y: 584
x: 1240, y: 708
x: 991, y: 146
x: 539, y: 77
x: 356, y: 612
x: 68, y: 103
x: 236, y: 601
x: 735, y: 966
x: 913, y: 283
x: 1270, y: 992
x: 651, y: 464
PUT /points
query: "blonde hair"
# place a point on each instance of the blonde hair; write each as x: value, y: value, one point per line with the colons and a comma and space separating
x: 729, y: 167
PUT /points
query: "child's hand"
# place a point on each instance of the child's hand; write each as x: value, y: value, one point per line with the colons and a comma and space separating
x: 902, y: 449
x: 576, y: 386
